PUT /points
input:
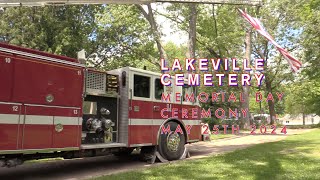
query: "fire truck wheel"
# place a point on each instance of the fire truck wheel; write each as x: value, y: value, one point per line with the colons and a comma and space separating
x: 171, y: 145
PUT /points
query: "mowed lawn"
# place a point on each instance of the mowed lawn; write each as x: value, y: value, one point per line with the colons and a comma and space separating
x: 296, y: 157
x: 221, y: 135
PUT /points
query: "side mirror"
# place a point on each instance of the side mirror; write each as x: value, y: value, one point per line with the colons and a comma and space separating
x: 81, y: 56
x: 124, y: 78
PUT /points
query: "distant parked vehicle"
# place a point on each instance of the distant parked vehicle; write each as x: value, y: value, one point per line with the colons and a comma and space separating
x: 261, y: 119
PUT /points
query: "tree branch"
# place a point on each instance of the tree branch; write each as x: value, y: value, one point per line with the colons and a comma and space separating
x: 174, y: 19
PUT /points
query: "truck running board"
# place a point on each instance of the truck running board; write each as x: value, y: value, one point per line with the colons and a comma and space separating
x: 102, y: 145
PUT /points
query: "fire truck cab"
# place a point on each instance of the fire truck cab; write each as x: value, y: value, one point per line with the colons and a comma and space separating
x: 53, y: 106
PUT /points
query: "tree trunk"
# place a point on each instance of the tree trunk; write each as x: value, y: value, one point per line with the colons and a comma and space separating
x: 272, y: 111
x: 245, y: 121
x: 191, y: 53
x: 154, y: 28
x: 192, y: 30
x: 304, y: 118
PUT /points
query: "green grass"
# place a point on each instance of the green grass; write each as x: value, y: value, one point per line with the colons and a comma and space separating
x: 221, y: 136
x: 303, y: 126
x: 43, y: 160
x: 296, y: 157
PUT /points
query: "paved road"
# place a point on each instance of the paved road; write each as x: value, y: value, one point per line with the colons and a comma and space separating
x: 91, y: 167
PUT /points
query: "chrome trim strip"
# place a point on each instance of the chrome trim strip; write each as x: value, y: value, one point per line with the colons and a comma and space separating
x: 24, y: 126
x: 102, y: 145
x: 10, y: 103
x: 39, y: 105
x: 32, y: 151
x: 18, y: 133
x: 79, y: 139
x: 138, y: 145
x: 41, y: 57
x: 118, y: 111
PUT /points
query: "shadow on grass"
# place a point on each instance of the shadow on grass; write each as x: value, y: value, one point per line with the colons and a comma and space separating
x: 291, y: 158
x: 277, y: 160
x: 65, y: 168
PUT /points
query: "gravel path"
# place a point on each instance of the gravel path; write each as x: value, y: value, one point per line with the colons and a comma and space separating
x: 91, y: 167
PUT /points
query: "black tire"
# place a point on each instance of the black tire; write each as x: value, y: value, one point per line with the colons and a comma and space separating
x: 147, y: 153
x: 178, y: 150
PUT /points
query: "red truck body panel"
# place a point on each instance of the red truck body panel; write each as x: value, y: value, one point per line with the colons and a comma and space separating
x: 28, y: 120
x: 41, y: 101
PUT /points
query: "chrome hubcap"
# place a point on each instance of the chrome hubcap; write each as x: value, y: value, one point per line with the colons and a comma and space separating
x: 173, y: 141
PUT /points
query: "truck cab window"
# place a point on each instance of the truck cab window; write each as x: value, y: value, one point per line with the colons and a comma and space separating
x: 141, y: 86
x: 158, y: 89
x: 90, y: 107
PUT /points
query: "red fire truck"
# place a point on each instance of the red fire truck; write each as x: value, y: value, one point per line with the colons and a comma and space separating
x: 53, y: 106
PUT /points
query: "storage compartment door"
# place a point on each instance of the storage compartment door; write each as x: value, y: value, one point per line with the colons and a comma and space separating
x: 9, y: 126
x: 38, y: 126
x: 67, y: 128
x: 6, y: 72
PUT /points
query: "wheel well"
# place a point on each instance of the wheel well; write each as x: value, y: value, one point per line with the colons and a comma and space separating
x: 177, y: 121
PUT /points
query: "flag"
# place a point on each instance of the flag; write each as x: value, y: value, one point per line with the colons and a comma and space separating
x: 293, y: 62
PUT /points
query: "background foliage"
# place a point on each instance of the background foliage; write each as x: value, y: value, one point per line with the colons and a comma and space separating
x: 120, y: 35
